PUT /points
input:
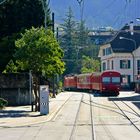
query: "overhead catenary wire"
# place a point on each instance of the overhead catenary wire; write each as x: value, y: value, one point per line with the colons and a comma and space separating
x: 132, y: 10
x: 120, y: 18
x: 125, y: 15
x: 105, y: 8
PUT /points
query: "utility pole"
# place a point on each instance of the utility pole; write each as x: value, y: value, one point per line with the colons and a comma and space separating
x: 45, y: 5
x: 81, y: 4
x: 53, y: 22
x: 57, y: 34
x: 53, y: 74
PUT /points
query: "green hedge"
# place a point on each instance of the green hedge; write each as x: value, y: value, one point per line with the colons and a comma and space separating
x: 3, y: 103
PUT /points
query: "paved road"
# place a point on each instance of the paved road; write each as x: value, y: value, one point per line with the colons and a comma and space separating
x: 79, y: 116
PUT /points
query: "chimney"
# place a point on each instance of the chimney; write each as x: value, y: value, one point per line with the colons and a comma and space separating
x: 131, y: 27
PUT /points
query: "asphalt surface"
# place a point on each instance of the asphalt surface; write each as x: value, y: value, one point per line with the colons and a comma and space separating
x: 22, y: 115
x: 76, y: 116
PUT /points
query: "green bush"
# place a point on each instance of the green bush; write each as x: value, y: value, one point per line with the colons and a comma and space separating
x: 3, y: 103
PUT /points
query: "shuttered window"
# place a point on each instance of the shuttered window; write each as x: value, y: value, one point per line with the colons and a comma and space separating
x: 125, y: 64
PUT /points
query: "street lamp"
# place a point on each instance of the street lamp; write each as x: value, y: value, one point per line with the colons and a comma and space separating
x: 130, y: 40
x: 134, y: 42
x: 137, y: 19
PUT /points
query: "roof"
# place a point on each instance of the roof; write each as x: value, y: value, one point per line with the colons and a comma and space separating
x: 101, y: 37
x: 124, y: 45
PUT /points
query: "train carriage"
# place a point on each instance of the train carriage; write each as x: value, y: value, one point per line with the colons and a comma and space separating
x: 83, y: 81
x: 70, y: 82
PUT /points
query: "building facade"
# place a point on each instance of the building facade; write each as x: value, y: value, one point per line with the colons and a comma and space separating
x: 122, y: 54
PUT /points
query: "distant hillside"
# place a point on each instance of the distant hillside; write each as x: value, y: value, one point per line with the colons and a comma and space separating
x: 99, y: 13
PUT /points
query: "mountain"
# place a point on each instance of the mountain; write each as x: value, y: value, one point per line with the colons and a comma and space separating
x: 99, y: 13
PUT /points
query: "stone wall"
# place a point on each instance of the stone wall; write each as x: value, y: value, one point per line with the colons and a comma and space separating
x: 15, y: 88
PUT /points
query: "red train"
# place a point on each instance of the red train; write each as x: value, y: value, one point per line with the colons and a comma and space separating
x: 107, y: 82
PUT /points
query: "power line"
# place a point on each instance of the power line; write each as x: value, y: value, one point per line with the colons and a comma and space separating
x: 120, y: 18
x: 105, y: 8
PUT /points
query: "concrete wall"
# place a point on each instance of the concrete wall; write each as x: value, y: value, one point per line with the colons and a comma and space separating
x: 15, y: 88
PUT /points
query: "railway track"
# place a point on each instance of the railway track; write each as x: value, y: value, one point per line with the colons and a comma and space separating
x: 92, y: 120
x: 57, y: 112
x: 125, y: 115
x: 73, y: 132
x: 101, y: 123
x: 137, y: 114
x: 44, y: 122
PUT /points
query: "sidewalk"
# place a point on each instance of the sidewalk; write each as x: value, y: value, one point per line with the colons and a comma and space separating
x: 22, y: 115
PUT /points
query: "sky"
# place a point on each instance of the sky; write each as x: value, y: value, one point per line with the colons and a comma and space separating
x: 99, y: 13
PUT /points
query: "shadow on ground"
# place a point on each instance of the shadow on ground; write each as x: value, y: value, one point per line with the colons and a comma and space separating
x: 16, y: 113
x: 134, y: 99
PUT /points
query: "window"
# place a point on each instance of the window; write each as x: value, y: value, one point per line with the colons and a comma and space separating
x: 112, y: 64
x: 115, y: 79
x: 125, y: 64
x: 104, y: 52
x: 106, y: 80
x: 107, y: 51
x: 138, y: 66
x: 108, y: 64
x: 104, y: 66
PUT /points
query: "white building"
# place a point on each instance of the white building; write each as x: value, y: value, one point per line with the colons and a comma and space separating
x: 122, y: 54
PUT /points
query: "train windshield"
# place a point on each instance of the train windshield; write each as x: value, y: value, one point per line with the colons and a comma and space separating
x: 115, y: 79
x: 106, y: 80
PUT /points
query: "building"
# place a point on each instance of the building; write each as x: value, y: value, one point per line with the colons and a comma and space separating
x: 122, y: 54
x: 101, y: 35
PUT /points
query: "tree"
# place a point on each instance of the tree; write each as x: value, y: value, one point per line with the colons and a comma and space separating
x: 90, y: 50
x: 69, y: 28
x: 68, y: 41
x: 82, y: 34
x: 89, y: 65
x: 11, y: 67
x: 38, y: 50
x: 76, y: 43
x: 7, y: 48
x: 15, y: 17
x: 82, y: 43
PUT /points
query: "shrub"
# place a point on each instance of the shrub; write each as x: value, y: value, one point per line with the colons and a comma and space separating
x: 3, y: 103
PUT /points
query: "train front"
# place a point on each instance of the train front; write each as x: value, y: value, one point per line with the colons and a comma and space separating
x: 70, y: 82
x: 111, y: 82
